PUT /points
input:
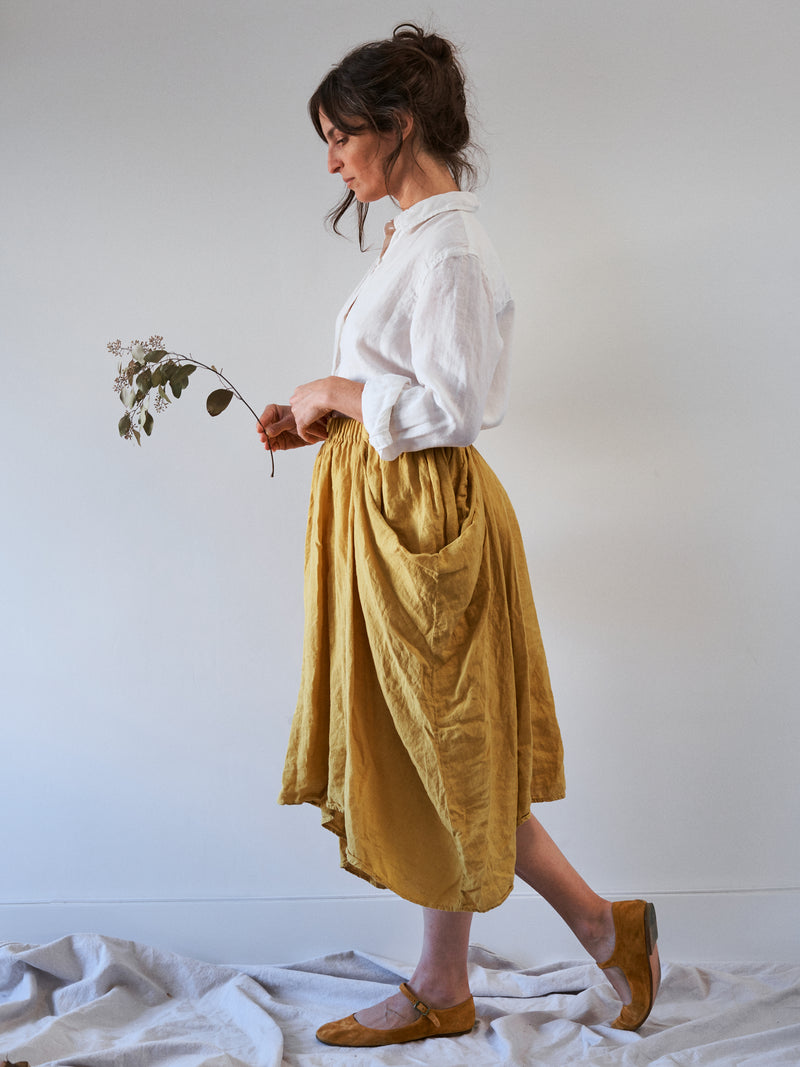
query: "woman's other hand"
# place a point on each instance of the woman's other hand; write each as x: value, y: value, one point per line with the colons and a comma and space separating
x: 314, y: 402
x: 277, y: 423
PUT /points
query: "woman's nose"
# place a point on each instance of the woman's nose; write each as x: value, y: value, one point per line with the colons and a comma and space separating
x: 334, y: 163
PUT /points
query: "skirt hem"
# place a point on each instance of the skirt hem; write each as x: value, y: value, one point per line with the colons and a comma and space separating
x: 353, y: 865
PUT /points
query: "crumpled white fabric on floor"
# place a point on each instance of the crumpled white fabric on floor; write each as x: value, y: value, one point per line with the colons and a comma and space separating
x: 92, y: 1001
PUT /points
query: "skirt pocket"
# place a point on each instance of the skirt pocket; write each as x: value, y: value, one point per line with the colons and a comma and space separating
x: 420, y: 546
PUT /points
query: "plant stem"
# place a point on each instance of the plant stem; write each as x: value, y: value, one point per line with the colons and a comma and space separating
x: 236, y: 393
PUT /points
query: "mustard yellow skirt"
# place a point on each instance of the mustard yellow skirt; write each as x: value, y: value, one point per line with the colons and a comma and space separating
x: 425, y: 724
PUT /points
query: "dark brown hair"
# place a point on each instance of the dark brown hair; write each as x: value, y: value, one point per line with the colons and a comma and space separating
x: 413, y: 72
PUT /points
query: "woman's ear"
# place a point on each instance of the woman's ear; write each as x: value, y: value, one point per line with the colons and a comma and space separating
x: 405, y: 121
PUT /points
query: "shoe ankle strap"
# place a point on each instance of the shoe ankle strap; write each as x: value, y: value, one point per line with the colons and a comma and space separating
x: 420, y: 1005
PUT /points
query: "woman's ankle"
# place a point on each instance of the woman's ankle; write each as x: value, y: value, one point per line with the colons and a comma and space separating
x: 439, y: 989
x: 595, y: 931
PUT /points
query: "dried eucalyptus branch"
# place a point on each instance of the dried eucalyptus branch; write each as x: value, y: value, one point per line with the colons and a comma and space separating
x: 145, y: 369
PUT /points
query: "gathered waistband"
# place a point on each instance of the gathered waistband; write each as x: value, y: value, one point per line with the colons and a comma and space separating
x: 343, y: 428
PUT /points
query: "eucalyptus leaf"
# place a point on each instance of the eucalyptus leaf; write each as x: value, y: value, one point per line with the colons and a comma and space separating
x: 178, y: 380
x: 145, y: 379
x: 124, y: 424
x: 156, y: 355
x: 218, y: 401
x: 148, y: 424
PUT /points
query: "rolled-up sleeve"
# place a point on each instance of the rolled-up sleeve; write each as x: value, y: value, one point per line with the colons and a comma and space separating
x: 455, y: 348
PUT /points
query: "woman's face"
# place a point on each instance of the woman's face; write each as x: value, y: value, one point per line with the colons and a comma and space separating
x: 359, y: 159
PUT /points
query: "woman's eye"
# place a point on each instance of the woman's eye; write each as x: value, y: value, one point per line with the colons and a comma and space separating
x: 341, y: 141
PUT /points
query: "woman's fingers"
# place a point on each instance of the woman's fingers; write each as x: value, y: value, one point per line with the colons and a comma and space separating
x: 281, y: 426
x: 275, y: 418
x: 301, y: 422
x: 311, y: 407
x: 278, y: 429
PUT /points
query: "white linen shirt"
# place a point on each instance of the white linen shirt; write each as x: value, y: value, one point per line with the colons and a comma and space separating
x: 428, y: 331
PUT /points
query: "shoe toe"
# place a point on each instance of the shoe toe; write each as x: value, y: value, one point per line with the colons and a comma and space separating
x: 339, y: 1032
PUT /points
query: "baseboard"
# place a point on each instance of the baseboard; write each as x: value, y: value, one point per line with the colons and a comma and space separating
x: 694, y: 927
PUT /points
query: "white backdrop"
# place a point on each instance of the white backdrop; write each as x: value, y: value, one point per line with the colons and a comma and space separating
x: 159, y: 175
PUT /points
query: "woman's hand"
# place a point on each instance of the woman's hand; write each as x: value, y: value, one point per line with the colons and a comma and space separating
x: 277, y: 423
x: 311, y: 407
x: 303, y: 421
x: 314, y: 402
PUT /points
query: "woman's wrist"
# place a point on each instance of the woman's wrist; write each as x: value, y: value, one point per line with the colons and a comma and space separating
x: 345, y: 397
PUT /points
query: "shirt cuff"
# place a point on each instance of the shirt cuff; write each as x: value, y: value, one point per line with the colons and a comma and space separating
x: 379, y: 397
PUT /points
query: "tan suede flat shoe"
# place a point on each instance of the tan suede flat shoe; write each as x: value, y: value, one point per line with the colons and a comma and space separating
x: 432, y: 1022
x: 636, y: 955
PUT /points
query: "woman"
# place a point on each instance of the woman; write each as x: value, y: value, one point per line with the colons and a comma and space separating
x: 425, y: 724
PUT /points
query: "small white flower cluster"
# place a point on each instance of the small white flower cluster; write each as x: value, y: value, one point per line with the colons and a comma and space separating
x: 146, y: 374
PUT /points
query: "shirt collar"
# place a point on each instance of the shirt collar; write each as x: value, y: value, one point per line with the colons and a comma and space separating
x: 433, y: 205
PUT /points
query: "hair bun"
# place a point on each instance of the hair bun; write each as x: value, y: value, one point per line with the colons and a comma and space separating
x: 437, y: 47
x: 431, y: 44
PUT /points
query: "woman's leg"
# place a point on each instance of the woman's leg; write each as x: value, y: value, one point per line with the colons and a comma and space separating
x: 440, y: 978
x: 542, y: 864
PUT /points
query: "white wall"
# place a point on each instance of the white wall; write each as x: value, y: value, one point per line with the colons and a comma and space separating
x: 159, y: 176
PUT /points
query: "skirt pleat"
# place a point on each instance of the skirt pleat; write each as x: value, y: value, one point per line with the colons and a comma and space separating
x: 425, y: 724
